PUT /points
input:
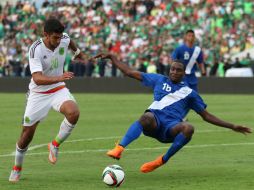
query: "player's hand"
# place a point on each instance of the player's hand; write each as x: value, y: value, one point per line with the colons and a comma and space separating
x: 92, y: 60
x: 242, y: 129
x: 203, y: 74
x: 67, y: 76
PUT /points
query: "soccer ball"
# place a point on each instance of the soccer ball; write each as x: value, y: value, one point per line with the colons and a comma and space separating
x: 113, y: 175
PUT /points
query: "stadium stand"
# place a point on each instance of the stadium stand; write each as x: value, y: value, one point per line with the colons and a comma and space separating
x: 142, y: 33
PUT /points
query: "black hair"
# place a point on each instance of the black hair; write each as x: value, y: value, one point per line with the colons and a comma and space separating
x: 190, y: 31
x: 179, y: 61
x: 53, y: 25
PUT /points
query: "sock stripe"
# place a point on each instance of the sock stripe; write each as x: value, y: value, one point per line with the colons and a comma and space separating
x: 17, y: 168
x: 21, y: 150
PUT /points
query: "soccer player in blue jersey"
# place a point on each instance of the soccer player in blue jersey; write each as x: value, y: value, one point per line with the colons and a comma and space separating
x: 163, y: 119
x: 190, y: 55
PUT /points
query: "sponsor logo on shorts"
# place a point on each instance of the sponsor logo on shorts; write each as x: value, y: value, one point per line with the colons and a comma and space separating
x: 27, y: 119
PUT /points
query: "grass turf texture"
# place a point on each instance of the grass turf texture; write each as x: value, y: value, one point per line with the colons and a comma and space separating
x: 216, y: 158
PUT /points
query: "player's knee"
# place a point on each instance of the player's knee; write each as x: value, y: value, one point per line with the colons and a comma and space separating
x: 148, y: 122
x: 188, y: 130
x: 72, y: 116
x: 145, y: 120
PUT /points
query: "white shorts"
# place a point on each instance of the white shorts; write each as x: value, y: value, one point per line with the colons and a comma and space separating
x: 38, y: 105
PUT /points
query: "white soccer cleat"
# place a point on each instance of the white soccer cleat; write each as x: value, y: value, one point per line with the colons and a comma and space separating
x: 15, y: 175
x: 53, y: 153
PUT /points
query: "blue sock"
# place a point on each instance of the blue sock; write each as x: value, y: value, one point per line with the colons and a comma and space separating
x: 179, y: 141
x: 132, y: 134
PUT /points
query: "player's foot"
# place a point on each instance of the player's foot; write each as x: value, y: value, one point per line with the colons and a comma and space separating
x: 53, y: 153
x: 116, y: 152
x: 150, y: 166
x: 15, y: 174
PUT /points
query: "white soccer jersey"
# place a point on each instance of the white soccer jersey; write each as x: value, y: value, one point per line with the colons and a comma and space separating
x: 50, y: 63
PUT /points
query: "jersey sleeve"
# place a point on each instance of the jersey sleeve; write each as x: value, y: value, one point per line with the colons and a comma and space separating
x: 150, y: 79
x: 34, y: 60
x: 66, y: 39
x: 197, y: 103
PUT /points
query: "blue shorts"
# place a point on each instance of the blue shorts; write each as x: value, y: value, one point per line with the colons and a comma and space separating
x: 163, y: 130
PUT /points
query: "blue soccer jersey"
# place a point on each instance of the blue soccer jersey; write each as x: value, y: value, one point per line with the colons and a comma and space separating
x: 189, y: 57
x: 171, y: 101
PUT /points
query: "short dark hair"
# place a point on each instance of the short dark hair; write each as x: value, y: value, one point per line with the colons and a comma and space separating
x: 53, y: 25
x: 190, y: 31
x: 179, y: 61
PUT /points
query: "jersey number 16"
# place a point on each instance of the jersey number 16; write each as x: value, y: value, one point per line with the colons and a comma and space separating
x: 166, y: 87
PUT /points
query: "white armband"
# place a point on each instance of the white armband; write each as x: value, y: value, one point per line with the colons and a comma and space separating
x: 76, y: 53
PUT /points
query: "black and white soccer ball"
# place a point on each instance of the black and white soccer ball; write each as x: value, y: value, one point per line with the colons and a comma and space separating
x: 113, y: 175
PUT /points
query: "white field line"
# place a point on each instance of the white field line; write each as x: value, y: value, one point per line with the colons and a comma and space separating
x: 105, y: 138
x: 77, y: 140
x: 97, y: 138
x: 139, y: 149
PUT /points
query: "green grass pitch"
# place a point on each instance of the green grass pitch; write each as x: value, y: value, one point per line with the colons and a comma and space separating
x: 215, y: 159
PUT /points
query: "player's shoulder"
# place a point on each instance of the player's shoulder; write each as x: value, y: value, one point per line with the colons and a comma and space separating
x: 197, y: 46
x: 65, y: 39
x: 180, y: 47
x: 184, y: 85
x: 34, y: 47
x: 187, y: 91
x: 65, y: 36
x: 36, y: 44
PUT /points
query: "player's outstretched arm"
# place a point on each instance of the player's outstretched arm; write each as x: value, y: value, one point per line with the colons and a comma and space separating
x: 41, y: 79
x: 216, y: 121
x: 79, y: 55
x: 123, y: 67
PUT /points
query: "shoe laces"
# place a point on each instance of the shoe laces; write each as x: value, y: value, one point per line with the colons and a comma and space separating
x: 15, y: 173
x: 54, y: 149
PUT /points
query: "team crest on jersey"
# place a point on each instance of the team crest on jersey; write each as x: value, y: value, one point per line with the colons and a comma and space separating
x: 61, y: 50
x: 186, y: 55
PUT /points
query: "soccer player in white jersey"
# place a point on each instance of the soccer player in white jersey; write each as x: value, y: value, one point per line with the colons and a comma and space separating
x: 47, y: 90
x: 163, y: 120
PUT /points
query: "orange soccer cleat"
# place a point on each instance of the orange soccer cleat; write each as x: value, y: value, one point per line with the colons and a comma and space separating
x: 116, y: 152
x: 53, y: 153
x: 150, y: 166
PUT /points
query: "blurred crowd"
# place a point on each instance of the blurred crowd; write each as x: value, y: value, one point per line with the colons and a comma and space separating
x: 143, y: 33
